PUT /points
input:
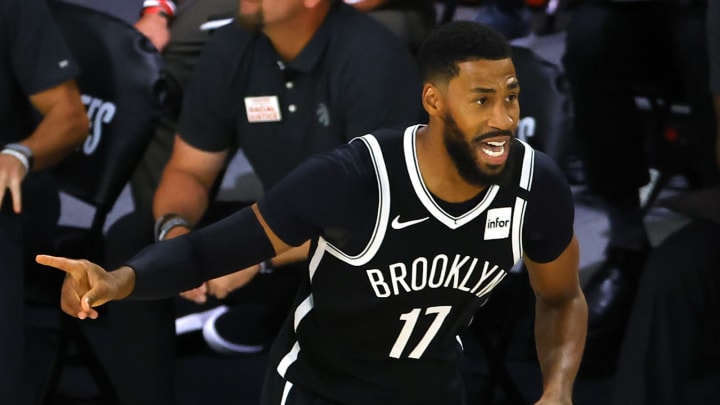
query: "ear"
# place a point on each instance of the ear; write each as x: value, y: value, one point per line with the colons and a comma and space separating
x: 432, y: 99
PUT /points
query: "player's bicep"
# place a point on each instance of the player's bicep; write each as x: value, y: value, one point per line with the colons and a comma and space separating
x: 550, y: 215
x: 200, y: 165
x: 557, y: 280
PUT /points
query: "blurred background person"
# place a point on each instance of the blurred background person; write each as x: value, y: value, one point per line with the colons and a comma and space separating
x: 43, y: 120
x: 613, y: 50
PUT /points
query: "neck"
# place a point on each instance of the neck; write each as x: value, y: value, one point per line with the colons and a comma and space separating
x: 439, y: 173
x: 290, y: 36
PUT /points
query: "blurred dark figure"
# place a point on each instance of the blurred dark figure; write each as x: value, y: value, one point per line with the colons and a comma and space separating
x: 615, y: 49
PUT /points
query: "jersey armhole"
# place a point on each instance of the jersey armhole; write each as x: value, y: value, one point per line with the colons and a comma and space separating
x: 382, y: 213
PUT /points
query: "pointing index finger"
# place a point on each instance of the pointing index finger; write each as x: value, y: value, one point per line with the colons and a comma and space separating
x: 67, y: 265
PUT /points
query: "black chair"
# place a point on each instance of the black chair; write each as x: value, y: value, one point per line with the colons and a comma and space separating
x: 123, y: 87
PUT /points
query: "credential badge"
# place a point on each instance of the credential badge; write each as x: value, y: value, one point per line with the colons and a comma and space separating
x: 262, y: 109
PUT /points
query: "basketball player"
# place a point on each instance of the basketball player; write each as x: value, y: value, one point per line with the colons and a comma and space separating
x: 411, y: 230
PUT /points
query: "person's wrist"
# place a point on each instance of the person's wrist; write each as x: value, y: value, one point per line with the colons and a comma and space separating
x: 166, y: 223
x: 265, y: 267
x: 165, y: 8
x: 21, y: 153
x: 124, y: 282
x: 176, y: 231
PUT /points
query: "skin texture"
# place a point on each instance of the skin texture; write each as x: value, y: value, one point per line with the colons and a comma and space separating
x: 482, y: 103
x: 288, y: 23
x: 63, y: 128
x: 156, y: 28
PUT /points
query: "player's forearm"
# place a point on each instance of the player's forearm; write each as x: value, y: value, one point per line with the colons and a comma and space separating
x: 560, y: 331
x: 124, y: 279
x: 63, y: 128
x: 180, y: 193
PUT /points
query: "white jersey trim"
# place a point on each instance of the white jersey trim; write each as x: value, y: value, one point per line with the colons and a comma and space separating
x: 317, y: 257
x: 286, y: 392
x: 300, y: 312
x: 424, y: 195
x: 303, y: 309
x: 288, y: 359
x: 528, y: 166
x: 381, y: 222
x: 526, y: 178
x: 383, y: 212
x: 517, y: 227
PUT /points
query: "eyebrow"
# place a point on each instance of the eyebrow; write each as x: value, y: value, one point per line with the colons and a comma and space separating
x: 482, y: 90
x: 512, y: 86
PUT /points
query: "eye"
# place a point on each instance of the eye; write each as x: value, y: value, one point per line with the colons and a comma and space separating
x: 512, y: 98
x: 481, y: 101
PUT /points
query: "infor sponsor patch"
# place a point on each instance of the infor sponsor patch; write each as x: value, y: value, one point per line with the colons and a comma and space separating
x: 497, y: 225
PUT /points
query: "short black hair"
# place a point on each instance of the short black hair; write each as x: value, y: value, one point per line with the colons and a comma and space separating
x: 455, y: 42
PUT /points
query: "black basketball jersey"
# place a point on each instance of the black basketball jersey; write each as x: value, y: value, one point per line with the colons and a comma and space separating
x: 381, y: 326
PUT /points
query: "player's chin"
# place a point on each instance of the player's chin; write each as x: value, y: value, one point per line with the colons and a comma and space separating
x: 491, y: 167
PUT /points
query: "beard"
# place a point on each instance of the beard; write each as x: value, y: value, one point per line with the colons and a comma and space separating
x: 464, y: 160
x: 251, y: 22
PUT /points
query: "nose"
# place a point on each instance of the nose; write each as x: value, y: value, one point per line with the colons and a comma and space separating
x: 501, y: 118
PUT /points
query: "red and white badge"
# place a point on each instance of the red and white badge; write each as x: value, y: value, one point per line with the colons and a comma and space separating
x: 263, y: 109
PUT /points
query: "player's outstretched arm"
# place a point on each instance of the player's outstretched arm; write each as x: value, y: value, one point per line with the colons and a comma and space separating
x: 88, y: 285
x: 560, y: 323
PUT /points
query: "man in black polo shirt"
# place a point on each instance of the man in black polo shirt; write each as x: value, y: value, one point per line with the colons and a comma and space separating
x: 36, y: 76
x: 287, y: 80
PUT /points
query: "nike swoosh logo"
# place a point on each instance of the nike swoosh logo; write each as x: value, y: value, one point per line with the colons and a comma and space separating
x: 396, y: 224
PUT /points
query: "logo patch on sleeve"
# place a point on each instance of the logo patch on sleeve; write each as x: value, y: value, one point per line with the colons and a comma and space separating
x: 497, y: 225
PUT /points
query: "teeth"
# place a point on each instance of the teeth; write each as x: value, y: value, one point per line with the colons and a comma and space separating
x: 495, y: 153
x: 495, y: 148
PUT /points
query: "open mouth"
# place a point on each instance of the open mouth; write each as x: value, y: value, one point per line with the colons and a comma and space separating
x: 493, y: 148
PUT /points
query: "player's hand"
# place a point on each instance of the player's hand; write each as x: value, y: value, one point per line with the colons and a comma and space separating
x: 197, y: 295
x: 12, y: 173
x: 155, y: 28
x: 222, y: 286
x: 88, y: 285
